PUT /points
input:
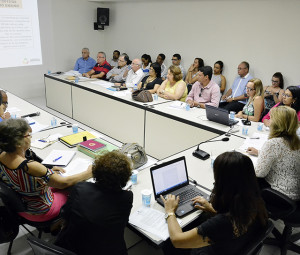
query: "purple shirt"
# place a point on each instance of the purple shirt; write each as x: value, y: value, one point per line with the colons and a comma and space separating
x: 210, y: 94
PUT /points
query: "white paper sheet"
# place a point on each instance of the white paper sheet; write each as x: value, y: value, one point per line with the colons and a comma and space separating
x: 59, y: 158
x: 152, y: 221
x: 13, y: 109
x: 253, y: 142
x: 104, y: 84
x: 77, y: 166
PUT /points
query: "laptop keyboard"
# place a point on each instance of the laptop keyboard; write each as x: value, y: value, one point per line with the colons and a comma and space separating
x: 187, y: 195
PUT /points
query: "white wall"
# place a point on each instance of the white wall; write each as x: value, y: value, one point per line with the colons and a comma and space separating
x: 65, y: 26
x: 264, y: 33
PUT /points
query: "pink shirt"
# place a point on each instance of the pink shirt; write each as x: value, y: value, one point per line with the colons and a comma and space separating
x: 209, y: 94
x: 267, y: 116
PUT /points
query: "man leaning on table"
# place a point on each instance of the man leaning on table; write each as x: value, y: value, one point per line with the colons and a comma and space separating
x: 85, y: 63
x: 234, y: 99
x: 101, y: 68
x: 116, y: 74
x: 204, y: 91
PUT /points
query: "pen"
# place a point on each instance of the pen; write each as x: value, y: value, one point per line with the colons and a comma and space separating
x: 254, y: 138
x: 43, y: 141
x: 31, y: 123
x: 54, y: 160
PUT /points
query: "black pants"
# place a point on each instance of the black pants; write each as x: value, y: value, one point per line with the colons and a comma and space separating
x: 232, y: 106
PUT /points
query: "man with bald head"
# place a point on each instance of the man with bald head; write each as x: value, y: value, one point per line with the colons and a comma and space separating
x: 135, y: 75
x: 85, y: 63
x: 235, y: 99
x: 100, y: 69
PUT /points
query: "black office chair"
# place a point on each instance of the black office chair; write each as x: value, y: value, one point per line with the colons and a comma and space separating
x: 13, y: 203
x: 41, y: 247
x: 282, y: 207
x: 255, y: 247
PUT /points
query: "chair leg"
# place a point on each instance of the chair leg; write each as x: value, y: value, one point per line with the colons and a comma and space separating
x: 10, y: 247
x: 40, y: 234
x: 286, y: 234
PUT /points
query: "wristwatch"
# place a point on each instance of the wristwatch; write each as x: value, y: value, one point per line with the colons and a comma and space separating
x: 167, y: 215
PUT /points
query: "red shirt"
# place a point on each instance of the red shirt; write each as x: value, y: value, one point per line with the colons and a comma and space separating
x: 105, y: 67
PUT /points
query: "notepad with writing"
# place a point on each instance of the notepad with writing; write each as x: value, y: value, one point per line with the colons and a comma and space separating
x: 74, y: 139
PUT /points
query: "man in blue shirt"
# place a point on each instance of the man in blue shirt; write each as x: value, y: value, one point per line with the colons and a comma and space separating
x: 85, y: 63
x: 235, y: 99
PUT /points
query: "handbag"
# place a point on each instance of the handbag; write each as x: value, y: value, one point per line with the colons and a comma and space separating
x: 142, y: 96
x: 136, y: 153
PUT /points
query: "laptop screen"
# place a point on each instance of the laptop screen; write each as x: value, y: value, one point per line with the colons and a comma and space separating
x: 169, y: 176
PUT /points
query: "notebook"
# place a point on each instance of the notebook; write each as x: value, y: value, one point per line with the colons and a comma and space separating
x: 72, y: 140
x: 172, y: 178
x: 92, y: 145
x: 219, y: 115
x: 59, y: 158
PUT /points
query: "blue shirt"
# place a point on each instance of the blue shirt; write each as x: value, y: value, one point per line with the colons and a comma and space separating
x: 239, y: 86
x: 83, y: 66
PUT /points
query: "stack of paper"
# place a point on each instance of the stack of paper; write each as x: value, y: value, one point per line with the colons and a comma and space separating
x: 35, y: 126
x: 77, y: 166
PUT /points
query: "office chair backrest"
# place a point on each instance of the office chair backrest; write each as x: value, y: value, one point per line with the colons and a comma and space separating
x: 11, y: 198
x: 254, y: 247
x: 278, y: 204
x: 41, y: 247
x: 9, y: 227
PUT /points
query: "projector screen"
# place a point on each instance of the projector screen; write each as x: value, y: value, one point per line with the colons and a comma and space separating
x: 20, y: 43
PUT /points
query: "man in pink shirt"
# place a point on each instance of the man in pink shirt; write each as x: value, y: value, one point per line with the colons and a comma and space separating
x: 204, y: 91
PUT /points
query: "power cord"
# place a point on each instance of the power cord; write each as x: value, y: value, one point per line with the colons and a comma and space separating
x: 197, y: 184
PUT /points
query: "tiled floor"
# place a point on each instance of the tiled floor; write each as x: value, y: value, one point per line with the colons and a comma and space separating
x: 21, y: 247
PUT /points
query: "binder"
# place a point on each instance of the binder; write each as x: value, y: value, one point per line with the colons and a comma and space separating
x: 108, y: 147
x: 72, y: 140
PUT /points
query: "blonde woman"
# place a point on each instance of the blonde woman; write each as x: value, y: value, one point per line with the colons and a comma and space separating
x: 255, y: 104
x: 173, y: 88
x: 279, y: 159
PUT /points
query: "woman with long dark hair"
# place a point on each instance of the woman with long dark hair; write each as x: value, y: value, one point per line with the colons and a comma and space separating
x: 236, y: 210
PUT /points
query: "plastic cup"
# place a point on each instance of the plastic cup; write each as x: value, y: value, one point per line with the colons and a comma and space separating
x: 75, y: 128
x: 134, y: 176
x: 231, y: 115
x: 155, y: 97
x: 245, y: 130
x: 260, y: 126
x: 146, y: 197
x: 13, y: 115
x: 187, y: 107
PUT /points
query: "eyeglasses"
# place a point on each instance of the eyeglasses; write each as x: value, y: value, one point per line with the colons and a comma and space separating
x: 174, y: 59
x: 240, y: 68
x: 134, y: 64
x: 121, y: 60
x: 274, y: 81
x: 29, y: 134
x: 250, y: 89
x: 286, y: 95
x: 5, y: 103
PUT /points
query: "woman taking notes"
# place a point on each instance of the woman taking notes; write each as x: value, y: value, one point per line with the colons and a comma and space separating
x: 279, y: 159
x: 173, y: 88
x: 236, y: 211
x: 255, y: 103
x: 33, y: 181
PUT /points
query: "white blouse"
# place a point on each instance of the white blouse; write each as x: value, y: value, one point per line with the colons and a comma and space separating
x: 280, y: 166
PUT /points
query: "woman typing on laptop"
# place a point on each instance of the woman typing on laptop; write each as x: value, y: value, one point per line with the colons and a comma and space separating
x: 234, y: 215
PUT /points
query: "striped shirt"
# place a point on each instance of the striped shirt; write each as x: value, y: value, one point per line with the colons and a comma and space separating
x: 105, y: 67
x: 36, y: 195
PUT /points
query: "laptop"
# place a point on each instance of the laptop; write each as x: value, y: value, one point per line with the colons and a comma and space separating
x: 219, y: 115
x: 172, y: 178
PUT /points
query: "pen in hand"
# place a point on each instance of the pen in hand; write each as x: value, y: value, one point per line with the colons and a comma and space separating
x: 54, y: 160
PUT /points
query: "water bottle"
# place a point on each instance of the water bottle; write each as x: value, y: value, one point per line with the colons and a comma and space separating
x: 76, y: 79
x: 135, y: 87
x: 53, y: 122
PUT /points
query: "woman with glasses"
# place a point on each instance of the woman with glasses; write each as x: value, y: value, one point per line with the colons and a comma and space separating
x: 153, y: 80
x: 255, y: 103
x: 279, y: 159
x: 273, y: 93
x: 290, y: 98
x: 39, y: 187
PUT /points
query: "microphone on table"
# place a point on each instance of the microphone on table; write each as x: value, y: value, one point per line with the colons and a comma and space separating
x: 204, y: 155
x: 247, y: 122
x: 31, y: 115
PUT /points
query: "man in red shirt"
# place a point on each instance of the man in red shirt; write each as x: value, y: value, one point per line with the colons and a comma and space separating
x: 101, y: 68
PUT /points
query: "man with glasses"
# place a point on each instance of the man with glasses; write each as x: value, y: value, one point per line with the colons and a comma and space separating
x: 101, y: 68
x: 135, y: 75
x: 235, y: 97
x: 176, y: 59
x: 85, y: 63
x: 204, y: 91
x: 4, y: 104
x: 116, y: 74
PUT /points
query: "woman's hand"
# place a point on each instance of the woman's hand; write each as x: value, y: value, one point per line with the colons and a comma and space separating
x: 252, y: 151
x: 239, y: 115
x: 58, y: 170
x: 171, y: 203
x: 202, y: 204
x: 191, y: 68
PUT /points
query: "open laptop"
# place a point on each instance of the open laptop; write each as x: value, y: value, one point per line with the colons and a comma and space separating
x: 219, y: 115
x: 172, y: 178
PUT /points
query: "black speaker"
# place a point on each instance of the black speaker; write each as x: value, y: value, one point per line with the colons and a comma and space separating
x: 103, y: 16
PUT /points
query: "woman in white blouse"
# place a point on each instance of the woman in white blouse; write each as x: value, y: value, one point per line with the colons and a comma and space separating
x: 279, y: 159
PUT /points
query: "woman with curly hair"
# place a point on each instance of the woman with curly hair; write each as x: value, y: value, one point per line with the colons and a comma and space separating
x: 97, y: 213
